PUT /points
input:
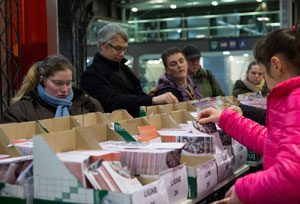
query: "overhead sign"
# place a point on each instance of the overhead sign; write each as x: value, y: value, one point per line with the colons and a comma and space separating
x: 228, y: 44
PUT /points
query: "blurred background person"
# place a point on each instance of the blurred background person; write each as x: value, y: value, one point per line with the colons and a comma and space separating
x: 47, y: 92
x: 204, y: 79
x: 254, y: 82
x: 175, y: 79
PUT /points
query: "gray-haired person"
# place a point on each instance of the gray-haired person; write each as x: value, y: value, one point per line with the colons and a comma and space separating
x: 110, y: 81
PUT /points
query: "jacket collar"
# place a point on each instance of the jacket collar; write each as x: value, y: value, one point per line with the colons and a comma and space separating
x: 109, y: 65
x: 285, y: 87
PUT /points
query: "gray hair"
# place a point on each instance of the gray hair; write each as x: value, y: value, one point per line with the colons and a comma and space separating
x: 109, y: 32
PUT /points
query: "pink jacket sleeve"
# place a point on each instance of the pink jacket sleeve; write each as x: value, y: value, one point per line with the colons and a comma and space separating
x: 280, y: 182
x: 245, y: 131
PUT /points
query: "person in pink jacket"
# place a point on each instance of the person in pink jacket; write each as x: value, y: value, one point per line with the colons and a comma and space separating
x: 278, y: 55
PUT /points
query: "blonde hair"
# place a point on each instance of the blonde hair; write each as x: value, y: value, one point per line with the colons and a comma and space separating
x: 47, y: 67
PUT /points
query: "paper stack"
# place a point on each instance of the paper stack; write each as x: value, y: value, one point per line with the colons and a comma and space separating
x: 112, y: 176
x: 78, y: 161
x: 146, y: 158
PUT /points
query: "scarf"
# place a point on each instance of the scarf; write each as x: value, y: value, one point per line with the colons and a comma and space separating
x: 166, y: 81
x: 63, y: 105
x: 253, y: 87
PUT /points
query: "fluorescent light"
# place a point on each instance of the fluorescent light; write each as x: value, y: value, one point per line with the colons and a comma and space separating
x: 200, y: 36
x: 153, y: 61
x: 128, y: 62
x: 226, y: 53
x: 259, y: 0
x: 131, y: 39
x: 134, y: 9
x: 88, y: 60
x: 263, y: 19
x: 173, y: 6
x: 246, y: 55
x: 179, y: 30
x: 214, y: 3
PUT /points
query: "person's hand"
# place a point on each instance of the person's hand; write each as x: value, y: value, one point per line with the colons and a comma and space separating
x: 209, y: 115
x: 233, y: 198
x: 165, y: 98
x: 236, y: 109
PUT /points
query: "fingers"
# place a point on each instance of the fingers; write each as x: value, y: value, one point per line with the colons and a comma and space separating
x: 236, y: 109
x: 171, y: 98
x: 209, y: 115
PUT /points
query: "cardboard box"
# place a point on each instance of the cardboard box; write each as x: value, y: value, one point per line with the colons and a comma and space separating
x: 60, y: 123
x: 185, y: 106
x: 54, y: 182
x: 162, y: 121
x: 181, y: 116
x: 95, y: 118
x: 12, y: 193
x: 119, y: 115
x: 176, y: 181
x: 240, y: 155
x: 152, y: 110
x: 202, y: 175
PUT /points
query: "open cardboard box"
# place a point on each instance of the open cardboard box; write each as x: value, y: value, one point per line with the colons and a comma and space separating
x: 162, y: 121
x: 185, y: 106
x: 152, y: 110
x: 119, y: 115
x: 95, y: 118
x: 202, y: 175
x: 181, y: 116
x: 60, y: 123
x: 13, y: 193
x: 55, y: 183
x: 131, y: 125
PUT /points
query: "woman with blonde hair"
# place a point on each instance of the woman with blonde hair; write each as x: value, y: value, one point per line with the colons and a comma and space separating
x: 47, y: 92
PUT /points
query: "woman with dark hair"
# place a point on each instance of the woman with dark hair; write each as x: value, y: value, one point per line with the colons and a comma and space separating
x: 47, y: 92
x: 278, y: 55
x: 254, y: 82
x: 175, y: 79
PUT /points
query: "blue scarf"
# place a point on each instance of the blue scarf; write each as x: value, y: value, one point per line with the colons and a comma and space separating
x: 63, y: 105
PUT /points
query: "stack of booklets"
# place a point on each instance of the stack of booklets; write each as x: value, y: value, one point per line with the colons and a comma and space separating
x: 219, y: 102
x: 112, y: 176
x: 256, y: 102
x: 146, y: 158
x: 24, y: 145
x: 13, y: 169
x: 78, y: 161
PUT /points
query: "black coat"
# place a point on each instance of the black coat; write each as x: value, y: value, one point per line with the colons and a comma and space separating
x: 31, y: 107
x: 103, y: 81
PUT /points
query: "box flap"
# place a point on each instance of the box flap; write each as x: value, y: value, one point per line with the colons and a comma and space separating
x: 6, y: 146
x: 181, y: 116
x: 185, y: 106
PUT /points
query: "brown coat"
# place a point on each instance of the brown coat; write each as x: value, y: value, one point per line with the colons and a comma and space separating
x: 31, y: 107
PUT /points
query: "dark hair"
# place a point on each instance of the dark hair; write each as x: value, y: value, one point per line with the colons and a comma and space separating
x: 250, y: 65
x: 285, y: 42
x: 168, y: 52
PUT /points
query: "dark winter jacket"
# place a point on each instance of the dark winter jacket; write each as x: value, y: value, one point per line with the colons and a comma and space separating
x: 31, y: 107
x: 241, y: 88
x: 207, y: 83
x: 103, y: 81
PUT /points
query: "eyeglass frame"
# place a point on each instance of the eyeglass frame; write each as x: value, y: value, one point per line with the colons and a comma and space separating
x: 59, y: 83
x: 118, y: 49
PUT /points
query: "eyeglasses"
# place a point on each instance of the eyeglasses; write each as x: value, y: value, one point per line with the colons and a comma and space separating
x: 59, y: 83
x: 118, y: 49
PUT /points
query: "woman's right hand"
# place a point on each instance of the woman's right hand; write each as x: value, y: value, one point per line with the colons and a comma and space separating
x: 164, y: 98
x: 209, y: 115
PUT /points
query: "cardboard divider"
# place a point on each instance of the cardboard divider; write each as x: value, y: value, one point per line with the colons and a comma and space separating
x: 181, y: 116
x: 131, y: 125
x: 152, y: 110
x: 119, y: 115
x: 162, y: 121
x: 101, y: 133
x: 60, y: 123
x: 185, y: 106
